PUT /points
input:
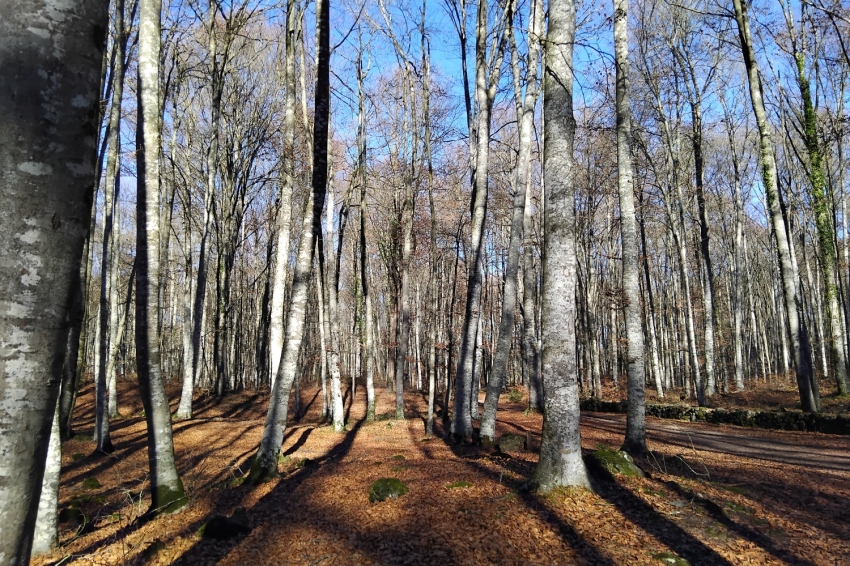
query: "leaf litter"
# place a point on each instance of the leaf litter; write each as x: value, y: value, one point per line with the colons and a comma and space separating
x: 698, y: 504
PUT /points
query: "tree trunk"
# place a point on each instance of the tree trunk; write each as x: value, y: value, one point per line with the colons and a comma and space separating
x: 48, y: 143
x: 485, y: 92
x: 800, y: 345
x: 635, y: 441
x: 167, y: 494
x: 46, y: 536
x: 560, y: 461
x: 284, y: 218
x: 525, y: 112
x: 264, y: 466
x: 823, y: 222
x: 107, y: 320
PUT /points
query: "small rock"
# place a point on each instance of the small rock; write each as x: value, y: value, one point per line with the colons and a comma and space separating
x: 511, y: 443
x: 615, y: 463
x: 387, y: 488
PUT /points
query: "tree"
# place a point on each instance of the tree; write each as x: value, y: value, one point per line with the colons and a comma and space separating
x: 525, y: 114
x: 48, y: 143
x: 635, y: 442
x: 560, y: 461
x: 167, y: 494
x: 800, y: 345
x: 488, y: 63
x: 264, y: 466
x: 817, y: 193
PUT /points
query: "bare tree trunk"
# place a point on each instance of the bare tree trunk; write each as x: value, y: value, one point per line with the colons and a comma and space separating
x: 167, y: 494
x: 284, y: 218
x: 329, y: 270
x: 821, y: 211
x: 367, y: 359
x: 800, y: 345
x: 264, y: 466
x: 323, y: 338
x: 51, y: 76
x: 108, y: 264
x: 635, y: 441
x: 525, y: 113
x: 46, y: 536
x: 560, y: 461
x: 485, y: 92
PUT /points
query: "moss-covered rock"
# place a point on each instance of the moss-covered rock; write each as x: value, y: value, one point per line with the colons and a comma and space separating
x: 614, y: 462
x: 511, y: 443
x: 91, y: 483
x: 775, y: 420
x: 459, y: 484
x: 387, y: 488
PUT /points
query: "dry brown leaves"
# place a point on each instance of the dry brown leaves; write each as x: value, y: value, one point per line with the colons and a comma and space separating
x: 709, y: 507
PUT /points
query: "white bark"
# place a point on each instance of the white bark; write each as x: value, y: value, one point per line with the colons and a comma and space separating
x: 51, y: 56
x: 265, y: 462
x: 525, y: 114
x: 46, y: 535
x: 635, y: 441
x: 560, y: 461
x: 800, y: 346
x: 485, y: 92
x: 284, y: 214
x: 167, y: 494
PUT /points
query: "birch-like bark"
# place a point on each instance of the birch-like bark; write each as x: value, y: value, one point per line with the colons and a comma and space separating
x: 485, y: 93
x: 264, y: 466
x: 323, y: 351
x: 46, y: 536
x: 367, y: 359
x: 107, y: 319
x: 525, y: 113
x: 329, y: 270
x: 284, y: 215
x: 800, y: 345
x: 211, y: 162
x: 635, y: 441
x: 738, y: 281
x: 560, y: 461
x: 167, y: 494
x: 48, y: 142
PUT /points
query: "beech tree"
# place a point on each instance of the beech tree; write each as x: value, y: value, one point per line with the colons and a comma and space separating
x: 48, y: 142
x: 264, y: 466
x: 167, y: 494
x: 635, y: 442
x: 560, y: 461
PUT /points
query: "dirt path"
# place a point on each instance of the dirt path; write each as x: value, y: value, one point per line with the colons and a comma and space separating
x: 812, y: 450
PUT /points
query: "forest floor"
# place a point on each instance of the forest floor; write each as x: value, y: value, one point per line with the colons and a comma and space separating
x: 717, y: 494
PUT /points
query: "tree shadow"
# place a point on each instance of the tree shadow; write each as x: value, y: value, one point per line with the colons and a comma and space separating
x: 300, y: 442
x: 468, y: 454
x: 745, y: 532
x: 208, y: 551
x: 651, y: 521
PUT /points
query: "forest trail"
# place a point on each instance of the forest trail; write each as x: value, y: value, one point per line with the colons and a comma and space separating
x: 466, y: 505
x: 812, y: 450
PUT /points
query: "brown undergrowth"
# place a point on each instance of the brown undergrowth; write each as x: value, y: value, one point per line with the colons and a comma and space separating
x: 699, y: 503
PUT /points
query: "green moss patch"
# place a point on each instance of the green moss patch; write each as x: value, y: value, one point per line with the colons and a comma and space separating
x: 459, y: 484
x: 619, y: 463
x: 387, y: 488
